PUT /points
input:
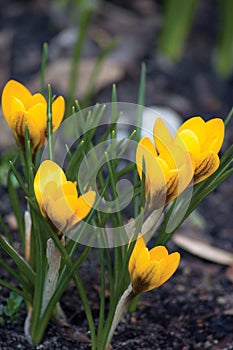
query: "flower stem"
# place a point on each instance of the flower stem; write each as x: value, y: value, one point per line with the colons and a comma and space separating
x: 28, y: 226
x: 54, y: 261
x: 121, y: 309
x: 50, y: 124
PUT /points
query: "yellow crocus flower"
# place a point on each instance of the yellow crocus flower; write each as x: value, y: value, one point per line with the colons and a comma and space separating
x: 21, y: 108
x: 203, y: 141
x: 150, y: 269
x: 168, y: 166
x: 58, y: 198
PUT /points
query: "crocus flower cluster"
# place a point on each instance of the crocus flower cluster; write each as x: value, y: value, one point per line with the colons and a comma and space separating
x: 21, y: 108
x: 171, y: 164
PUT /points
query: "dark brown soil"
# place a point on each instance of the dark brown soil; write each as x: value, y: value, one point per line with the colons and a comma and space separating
x: 194, y: 310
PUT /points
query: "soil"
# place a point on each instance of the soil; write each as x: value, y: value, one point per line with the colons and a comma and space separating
x: 194, y: 310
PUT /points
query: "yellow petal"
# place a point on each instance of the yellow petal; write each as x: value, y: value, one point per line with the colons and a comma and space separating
x: 53, y: 191
x: 164, y: 143
x: 149, y: 277
x: 84, y: 204
x: 172, y: 187
x: 141, y: 274
x: 167, y: 155
x: 174, y: 153
x: 156, y: 171
x: 154, y: 277
x: 157, y: 253
x: 69, y: 189
x: 60, y: 212
x: 58, y: 110
x: 190, y: 140
x: 138, y: 247
x: 207, y: 165
x: 142, y: 262
x: 69, y: 210
x: 37, y: 124
x: 168, y: 267
x: 184, y: 175
x: 215, y: 130
x: 161, y: 134
x: 196, y: 125
x: 13, y: 88
x: 157, y: 175
x: 146, y: 151
x: 180, y: 178
x: 47, y: 172
x: 34, y: 100
x: 18, y: 116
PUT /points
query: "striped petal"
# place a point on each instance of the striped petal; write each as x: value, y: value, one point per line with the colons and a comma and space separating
x: 150, y: 269
x: 37, y: 125
x: 207, y: 165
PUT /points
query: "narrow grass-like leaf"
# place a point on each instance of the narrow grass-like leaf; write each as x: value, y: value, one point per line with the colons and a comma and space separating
x: 12, y: 288
x: 6, y: 232
x: 141, y: 97
x: 43, y: 67
x: 22, y: 265
x: 19, y: 178
x: 16, y: 208
x: 50, y: 124
x: 102, y: 295
x: 229, y: 117
x: 87, y: 309
x: 15, y: 273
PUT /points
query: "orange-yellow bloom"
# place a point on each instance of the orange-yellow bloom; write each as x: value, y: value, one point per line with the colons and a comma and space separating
x: 21, y: 108
x: 203, y: 141
x: 58, y: 198
x: 150, y: 269
x: 168, y: 166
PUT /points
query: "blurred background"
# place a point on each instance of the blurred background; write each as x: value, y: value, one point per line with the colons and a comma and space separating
x: 187, y: 47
